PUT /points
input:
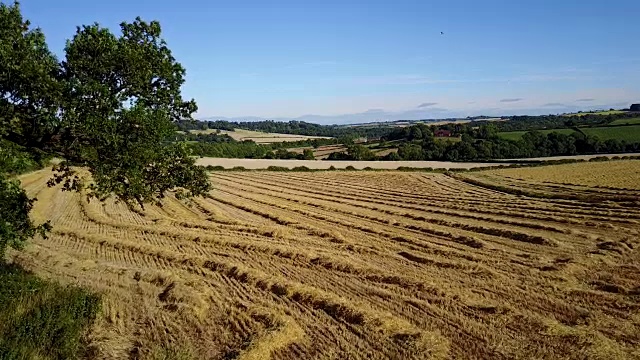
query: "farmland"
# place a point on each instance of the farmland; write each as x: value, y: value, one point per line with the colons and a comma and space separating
x: 633, y: 121
x: 619, y: 174
x: 258, y: 136
x: 517, y: 135
x: 627, y: 133
x: 359, y: 265
x: 605, y: 112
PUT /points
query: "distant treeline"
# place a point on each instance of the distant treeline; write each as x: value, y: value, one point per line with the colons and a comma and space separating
x: 515, y: 123
x: 483, y: 143
x: 530, y: 123
x: 291, y: 127
x: 224, y: 146
x: 473, y: 141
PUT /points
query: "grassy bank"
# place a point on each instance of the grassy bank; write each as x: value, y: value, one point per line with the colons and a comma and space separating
x: 40, y: 319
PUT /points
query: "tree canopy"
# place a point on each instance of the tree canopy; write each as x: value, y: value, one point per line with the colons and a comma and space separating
x: 110, y: 106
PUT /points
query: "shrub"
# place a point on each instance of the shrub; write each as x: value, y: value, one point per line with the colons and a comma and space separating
x: 301, y: 168
x: 277, y: 168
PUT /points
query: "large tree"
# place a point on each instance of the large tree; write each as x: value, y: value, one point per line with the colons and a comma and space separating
x: 108, y: 107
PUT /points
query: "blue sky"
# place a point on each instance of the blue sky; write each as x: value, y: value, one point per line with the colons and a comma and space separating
x: 379, y: 60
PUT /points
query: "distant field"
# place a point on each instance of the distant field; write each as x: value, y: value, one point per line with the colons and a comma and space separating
x: 608, y: 112
x: 385, y: 152
x: 426, y: 122
x: 627, y: 133
x: 321, y: 152
x: 620, y: 174
x: 626, y: 121
x: 517, y: 135
x: 259, y: 137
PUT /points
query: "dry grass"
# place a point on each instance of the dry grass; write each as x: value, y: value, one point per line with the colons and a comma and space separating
x: 359, y: 265
x: 618, y: 174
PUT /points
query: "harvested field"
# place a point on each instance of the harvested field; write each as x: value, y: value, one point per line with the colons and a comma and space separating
x: 322, y: 152
x: 358, y: 265
x: 617, y: 174
x: 259, y: 137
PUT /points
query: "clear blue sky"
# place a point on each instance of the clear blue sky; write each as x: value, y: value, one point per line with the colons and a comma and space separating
x: 283, y: 59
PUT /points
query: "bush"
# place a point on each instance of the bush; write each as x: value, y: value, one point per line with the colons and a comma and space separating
x: 301, y: 168
x: 277, y: 168
x: 350, y: 168
x: 41, y: 319
x: 16, y: 160
x: 215, y: 168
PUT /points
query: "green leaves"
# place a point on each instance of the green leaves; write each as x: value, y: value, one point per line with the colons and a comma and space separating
x: 15, y: 225
x: 123, y: 97
x: 29, y: 86
x: 109, y: 107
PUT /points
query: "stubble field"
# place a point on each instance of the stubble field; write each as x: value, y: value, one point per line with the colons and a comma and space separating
x: 357, y: 265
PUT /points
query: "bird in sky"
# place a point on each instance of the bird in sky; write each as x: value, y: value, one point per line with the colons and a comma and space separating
x: 441, y: 32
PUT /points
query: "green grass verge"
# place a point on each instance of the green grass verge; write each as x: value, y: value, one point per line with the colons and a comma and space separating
x: 632, y: 121
x: 41, y: 319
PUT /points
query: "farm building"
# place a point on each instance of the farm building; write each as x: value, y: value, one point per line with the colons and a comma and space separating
x: 442, y: 133
x: 635, y: 107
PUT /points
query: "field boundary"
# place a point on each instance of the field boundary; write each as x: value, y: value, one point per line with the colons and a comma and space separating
x: 495, y: 165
